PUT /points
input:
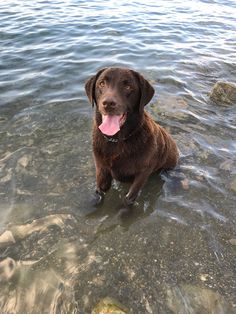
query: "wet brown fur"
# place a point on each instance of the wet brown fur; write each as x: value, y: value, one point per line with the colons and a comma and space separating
x: 141, y: 147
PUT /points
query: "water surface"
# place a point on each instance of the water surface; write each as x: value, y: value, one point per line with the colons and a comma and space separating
x: 59, y: 254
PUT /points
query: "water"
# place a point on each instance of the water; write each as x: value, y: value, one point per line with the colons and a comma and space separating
x: 176, y: 252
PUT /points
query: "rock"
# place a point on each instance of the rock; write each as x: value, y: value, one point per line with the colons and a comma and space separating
x: 7, y: 269
x: 17, y: 232
x: 204, y: 277
x: 6, y: 178
x: 6, y: 238
x: 170, y: 106
x: 233, y: 185
x: 224, y: 92
x: 24, y: 161
x: 194, y: 299
x: 110, y: 306
x: 227, y: 165
x: 232, y: 241
x: 185, y: 184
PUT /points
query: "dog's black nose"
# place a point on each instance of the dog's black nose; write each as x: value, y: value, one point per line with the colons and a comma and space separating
x: 109, y: 103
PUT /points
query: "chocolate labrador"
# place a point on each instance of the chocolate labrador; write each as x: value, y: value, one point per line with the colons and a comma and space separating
x: 127, y: 144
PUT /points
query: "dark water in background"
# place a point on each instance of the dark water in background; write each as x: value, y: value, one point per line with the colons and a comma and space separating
x: 176, y: 252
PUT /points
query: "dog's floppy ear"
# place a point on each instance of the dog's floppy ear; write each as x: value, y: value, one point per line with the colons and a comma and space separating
x: 146, y: 90
x: 90, y: 86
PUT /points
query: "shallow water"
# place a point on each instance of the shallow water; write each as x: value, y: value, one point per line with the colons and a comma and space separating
x: 59, y: 254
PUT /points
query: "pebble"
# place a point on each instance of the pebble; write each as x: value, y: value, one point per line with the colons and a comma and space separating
x: 232, y: 241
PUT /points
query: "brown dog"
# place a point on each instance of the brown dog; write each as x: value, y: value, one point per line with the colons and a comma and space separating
x: 127, y: 144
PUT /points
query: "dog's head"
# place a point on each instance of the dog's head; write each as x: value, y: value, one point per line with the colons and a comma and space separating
x: 118, y: 93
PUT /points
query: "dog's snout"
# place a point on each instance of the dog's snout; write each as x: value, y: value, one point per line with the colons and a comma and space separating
x: 109, y: 103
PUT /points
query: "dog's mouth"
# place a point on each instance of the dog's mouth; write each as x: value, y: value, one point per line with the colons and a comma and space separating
x: 111, y: 124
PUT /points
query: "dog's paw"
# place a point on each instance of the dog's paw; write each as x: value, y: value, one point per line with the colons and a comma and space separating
x: 128, y: 201
x: 97, y: 198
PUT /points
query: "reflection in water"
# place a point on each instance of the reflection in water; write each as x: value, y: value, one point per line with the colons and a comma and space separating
x: 51, y: 278
x: 32, y: 284
x: 175, y: 251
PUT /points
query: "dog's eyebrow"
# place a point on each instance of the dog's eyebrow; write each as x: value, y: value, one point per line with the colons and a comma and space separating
x: 105, y: 78
x: 127, y: 81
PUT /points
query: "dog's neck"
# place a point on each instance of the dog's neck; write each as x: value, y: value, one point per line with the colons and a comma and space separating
x: 120, y: 138
x: 127, y: 131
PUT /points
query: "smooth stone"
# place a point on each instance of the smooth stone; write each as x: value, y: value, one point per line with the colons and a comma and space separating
x: 194, y: 299
x: 110, y: 306
x: 232, y: 241
x: 233, y: 185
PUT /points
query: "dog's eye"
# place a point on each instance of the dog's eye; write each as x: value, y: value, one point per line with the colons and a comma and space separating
x: 128, y: 87
x: 102, y: 83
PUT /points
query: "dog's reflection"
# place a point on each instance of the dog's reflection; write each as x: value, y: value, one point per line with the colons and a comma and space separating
x: 113, y: 212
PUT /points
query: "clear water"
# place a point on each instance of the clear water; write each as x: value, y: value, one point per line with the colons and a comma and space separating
x: 176, y: 252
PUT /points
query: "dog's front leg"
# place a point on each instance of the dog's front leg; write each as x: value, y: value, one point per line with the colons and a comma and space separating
x: 103, y: 180
x: 139, y: 181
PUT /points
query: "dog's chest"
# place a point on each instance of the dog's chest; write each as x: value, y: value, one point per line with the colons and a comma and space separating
x: 120, y: 161
x: 114, y: 154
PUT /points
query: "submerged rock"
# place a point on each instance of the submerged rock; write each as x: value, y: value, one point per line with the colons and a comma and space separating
x: 233, y: 185
x: 24, y: 161
x: 194, y: 299
x: 170, y: 106
x: 8, y: 267
x: 232, y: 241
x: 224, y: 92
x: 38, y: 225
x: 110, y: 306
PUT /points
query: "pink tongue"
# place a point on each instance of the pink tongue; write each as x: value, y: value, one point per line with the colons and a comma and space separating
x: 110, y: 124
